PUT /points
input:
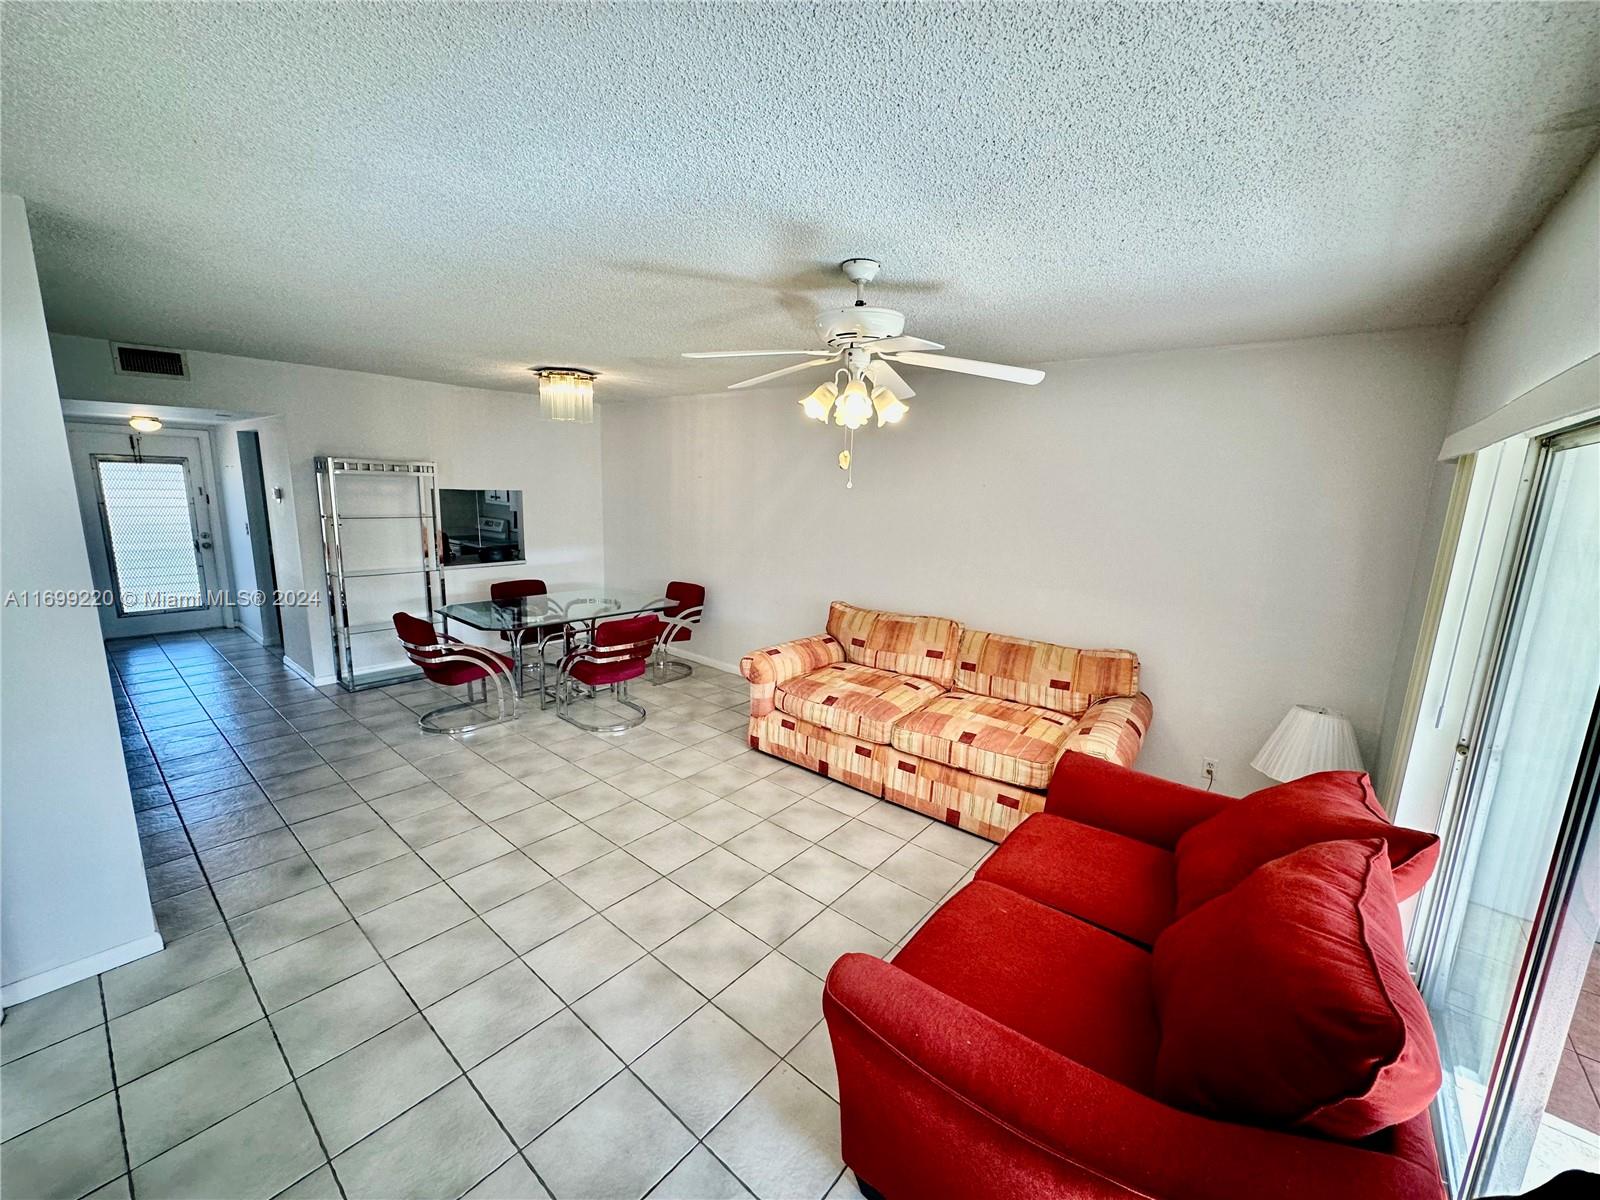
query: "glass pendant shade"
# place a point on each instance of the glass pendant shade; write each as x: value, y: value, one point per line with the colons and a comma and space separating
x: 566, y: 396
x: 855, y: 406
x: 890, y: 407
x: 818, y: 403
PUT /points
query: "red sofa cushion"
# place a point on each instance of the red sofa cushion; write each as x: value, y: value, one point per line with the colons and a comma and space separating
x: 1287, y: 1001
x: 1115, y: 882
x: 1071, y: 987
x: 1329, y: 806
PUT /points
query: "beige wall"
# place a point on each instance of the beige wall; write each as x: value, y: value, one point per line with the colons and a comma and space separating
x: 1246, y: 518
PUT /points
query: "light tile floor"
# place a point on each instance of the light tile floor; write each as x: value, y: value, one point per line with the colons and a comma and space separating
x: 531, y: 961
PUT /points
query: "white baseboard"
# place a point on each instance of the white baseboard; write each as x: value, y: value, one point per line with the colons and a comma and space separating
x: 691, y: 656
x: 313, y: 680
x: 258, y: 639
x: 19, y: 990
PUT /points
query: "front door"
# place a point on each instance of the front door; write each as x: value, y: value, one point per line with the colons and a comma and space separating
x: 147, y: 519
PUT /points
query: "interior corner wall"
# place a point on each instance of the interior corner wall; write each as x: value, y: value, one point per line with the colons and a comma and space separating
x: 73, y: 899
x: 1246, y: 518
x: 1542, y: 317
x: 478, y: 439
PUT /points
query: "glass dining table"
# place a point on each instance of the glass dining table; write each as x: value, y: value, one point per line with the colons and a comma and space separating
x: 555, y: 616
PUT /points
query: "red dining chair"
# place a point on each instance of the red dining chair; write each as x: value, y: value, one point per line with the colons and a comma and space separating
x: 687, y: 604
x: 508, y: 590
x: 450, y: 663
x: 618, y: 652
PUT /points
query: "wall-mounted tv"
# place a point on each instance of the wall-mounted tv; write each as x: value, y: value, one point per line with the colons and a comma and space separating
x: 482, y: 526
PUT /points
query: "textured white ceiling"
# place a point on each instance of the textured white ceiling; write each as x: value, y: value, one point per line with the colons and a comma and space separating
x: 458, y: 192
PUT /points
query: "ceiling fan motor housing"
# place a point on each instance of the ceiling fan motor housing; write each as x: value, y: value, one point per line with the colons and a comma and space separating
x: 840, y: 326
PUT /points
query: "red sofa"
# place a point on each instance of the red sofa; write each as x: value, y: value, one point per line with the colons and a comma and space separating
x: 1015, y: 1046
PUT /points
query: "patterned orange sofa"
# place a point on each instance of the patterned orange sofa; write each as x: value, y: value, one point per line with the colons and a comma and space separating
x: 955, y: 723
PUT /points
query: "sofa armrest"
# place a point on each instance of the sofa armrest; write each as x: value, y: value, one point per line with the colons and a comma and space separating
x: 1113, y: 729
x: 938, y: 1100
x: 1100, y: 793
x: 767, y: 668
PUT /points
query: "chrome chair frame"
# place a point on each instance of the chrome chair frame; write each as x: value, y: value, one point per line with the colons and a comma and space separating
x: 481, y: 656
x: 619, y: 691
x: 663, y: 667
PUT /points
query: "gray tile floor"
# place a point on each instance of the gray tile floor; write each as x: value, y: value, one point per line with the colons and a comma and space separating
x: 531, y: 961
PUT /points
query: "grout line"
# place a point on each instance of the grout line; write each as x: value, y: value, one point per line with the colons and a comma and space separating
x: 469, y: 746
x: 116, y: 1088
x: 256, y: 992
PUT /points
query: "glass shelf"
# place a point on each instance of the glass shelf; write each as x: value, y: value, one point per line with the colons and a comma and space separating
x: 368, y: 508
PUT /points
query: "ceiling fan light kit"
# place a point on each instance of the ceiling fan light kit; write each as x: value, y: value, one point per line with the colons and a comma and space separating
x: 862, y: 342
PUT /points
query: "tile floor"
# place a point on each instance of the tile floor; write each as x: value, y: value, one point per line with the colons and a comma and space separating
x: 1575, y: 1097
x: 530, y: 962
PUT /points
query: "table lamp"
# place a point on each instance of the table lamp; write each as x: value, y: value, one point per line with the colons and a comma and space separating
x: 1307, y: 740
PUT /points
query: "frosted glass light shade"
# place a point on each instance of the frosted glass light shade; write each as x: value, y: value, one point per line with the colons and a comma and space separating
x: 1306, y: 741
x: 566, y: 396
x: 890, y: 407
x: 819, y: 402
x: 854, y: 407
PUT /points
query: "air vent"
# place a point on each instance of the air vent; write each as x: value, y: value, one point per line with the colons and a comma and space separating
x: 148, y: 360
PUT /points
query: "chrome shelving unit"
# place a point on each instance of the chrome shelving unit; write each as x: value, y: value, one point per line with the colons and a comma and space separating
x: 380, y: 551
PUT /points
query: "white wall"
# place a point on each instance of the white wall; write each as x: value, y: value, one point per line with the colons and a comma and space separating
x: 1542, y: 316
x: 1245, y: 518
x: 478, y: 438
x: 73, y: 899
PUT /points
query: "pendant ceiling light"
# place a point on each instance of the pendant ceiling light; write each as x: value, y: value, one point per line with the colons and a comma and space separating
x: 566, y: 394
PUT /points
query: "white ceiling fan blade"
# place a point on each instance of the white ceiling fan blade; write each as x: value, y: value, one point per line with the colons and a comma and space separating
x: 971, y: 366
x: 781, y: 372
x: 885, y: 376
x: 896, y: 344
x: 754, y: 353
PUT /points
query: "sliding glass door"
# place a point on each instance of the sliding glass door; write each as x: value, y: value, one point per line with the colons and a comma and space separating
x: 1509, y: 892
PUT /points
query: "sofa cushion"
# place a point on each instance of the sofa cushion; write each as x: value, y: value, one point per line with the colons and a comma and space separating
x: 898, y: 642
x: 998, y: 739
x: 1060, y: 678
x: 1328, y: 806
x: 862, y: 702
x: 1065, y: 984
x: 1122, y: 885
x: 1287, y: 1000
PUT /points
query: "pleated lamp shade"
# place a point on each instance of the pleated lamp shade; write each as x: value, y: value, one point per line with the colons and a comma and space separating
x: 1306, y: 741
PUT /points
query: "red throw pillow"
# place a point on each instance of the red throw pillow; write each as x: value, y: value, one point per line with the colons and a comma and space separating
x: 1287, y: 1001
x: 1329, y: 806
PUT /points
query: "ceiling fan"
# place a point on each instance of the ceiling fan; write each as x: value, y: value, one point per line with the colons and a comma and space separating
x: 862, y: 343
x: 866, y: 340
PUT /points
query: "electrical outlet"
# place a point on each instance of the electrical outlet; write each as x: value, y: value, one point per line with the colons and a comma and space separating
x: 1208, y: 769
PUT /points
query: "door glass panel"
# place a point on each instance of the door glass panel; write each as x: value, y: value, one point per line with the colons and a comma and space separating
x: 150, y: 528
x: 1544, y: 692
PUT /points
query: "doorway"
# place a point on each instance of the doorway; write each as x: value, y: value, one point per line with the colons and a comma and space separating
x: 1510, y: 921
x: 148, y: 520
x: 258, y: 530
